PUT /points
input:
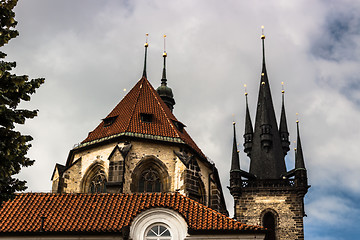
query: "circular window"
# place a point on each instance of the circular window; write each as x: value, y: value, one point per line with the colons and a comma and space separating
x: 158, y: 232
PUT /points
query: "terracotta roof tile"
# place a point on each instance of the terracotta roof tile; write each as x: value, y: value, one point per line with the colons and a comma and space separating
x: 104, y: 212
x: 142, y: 98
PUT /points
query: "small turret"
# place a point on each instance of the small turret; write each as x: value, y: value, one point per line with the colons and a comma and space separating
x: 235, y: 172
x: 283, y: 129
x: 299, y: 159
x: 300, y: 170
x: 164, y: 91
x: 248, y: 135
x: 235, y: 162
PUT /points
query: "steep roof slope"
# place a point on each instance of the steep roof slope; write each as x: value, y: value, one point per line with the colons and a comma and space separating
x: 104, y: 213
x: 125, y: 119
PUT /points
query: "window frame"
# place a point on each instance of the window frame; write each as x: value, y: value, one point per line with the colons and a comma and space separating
x: 158, y: 216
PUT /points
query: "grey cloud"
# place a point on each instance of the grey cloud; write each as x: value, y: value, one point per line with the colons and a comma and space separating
x: 90, y: 51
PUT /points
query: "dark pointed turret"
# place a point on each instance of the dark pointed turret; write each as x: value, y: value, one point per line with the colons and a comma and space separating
x: 299, y: 157
x: 235, y: 172
x: 301, y: 179
x: 248, y: 135
x: 283, y: 129
x: 235, y: 162
x: 164, y: 91
x: 267, y: 157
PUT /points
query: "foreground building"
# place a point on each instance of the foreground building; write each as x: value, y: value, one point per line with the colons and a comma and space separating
x: 139, y: 175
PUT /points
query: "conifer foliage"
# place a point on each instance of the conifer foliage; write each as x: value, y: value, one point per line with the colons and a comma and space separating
x: 13, y: 90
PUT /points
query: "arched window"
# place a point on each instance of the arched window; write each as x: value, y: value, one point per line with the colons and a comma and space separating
x: 150, y: 175
x: 158, y: 232
x: 150, y: 181
x: 94, y: 179
x: 270, y: 224
x: 158, y: 223
x: 98, y: 183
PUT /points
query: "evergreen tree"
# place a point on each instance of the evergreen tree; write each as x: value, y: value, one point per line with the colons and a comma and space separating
x: 13, y: 90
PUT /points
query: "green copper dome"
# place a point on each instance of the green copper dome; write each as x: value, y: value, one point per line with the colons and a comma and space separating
x: 166, y: 94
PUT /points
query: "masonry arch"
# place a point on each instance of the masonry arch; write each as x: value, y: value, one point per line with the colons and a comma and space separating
x: 269, y: 219
x: 150, y: 175
x: 94, y: 179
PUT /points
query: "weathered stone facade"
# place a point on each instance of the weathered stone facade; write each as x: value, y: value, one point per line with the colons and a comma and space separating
x: 123, y: 161
x: 284, y: 203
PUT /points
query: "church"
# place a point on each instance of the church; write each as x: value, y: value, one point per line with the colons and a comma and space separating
x: 139, y: 175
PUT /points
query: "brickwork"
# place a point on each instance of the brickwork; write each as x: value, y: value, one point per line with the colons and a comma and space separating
x: 194, y: 186
x: 285, y: 204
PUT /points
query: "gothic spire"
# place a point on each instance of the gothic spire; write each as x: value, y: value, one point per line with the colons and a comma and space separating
x: 146, y: 45
x: 299, y: 157
x: 235, y: 162
x: 248, y: 135
x: 283, y: 129
x: 164, y: 91
x: 267, y: 157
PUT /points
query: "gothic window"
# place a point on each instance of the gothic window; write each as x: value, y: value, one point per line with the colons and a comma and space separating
x: 269, y: 223
x: 150, y: 175
x: 97, y: 183
x: 158, y: 232
x: 150, y: 181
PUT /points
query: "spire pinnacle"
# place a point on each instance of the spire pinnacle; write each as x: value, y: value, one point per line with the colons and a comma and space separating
x: 164, y: 91
x: 235, y: 162
x: 267, y: 157
x: 263, y: 47
x: 299, y: 157
x: 146, y: 45
x: 163, y: 79
x: 283, y: 129
x: 248, y: 135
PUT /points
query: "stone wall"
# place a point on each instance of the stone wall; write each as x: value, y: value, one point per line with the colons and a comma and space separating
x: 190, y: 180
x: 286, y: 206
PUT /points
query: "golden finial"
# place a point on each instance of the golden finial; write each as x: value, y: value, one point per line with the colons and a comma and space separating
x: 282, y: 87
x: 262, y: 74
x: 146, y: 42
x: 164, y: 54
x: 234, y: 122
x: 262, y: 32
x: 124, y: 89
x: 297, y: 117
x: 245, y: 90
x: 263, y: 83
x: 295, y: 145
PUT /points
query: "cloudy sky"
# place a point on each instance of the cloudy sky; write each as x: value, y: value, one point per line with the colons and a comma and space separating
x: 90, y: 51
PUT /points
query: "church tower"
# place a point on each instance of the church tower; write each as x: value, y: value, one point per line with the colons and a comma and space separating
x: 268, y: 194
x: 139, y: 147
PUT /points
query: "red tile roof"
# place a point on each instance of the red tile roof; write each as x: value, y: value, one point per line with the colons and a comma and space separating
x: 142, y: 98
x: 104, y: 213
